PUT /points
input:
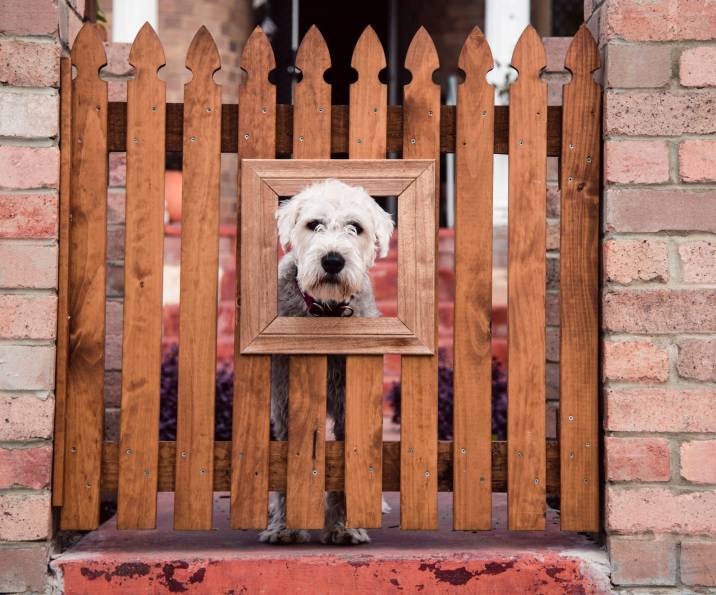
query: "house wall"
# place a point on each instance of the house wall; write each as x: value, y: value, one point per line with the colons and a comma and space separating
x: 659, y: 294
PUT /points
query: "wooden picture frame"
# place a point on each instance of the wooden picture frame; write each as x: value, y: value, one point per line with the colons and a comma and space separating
x: 412, y: 331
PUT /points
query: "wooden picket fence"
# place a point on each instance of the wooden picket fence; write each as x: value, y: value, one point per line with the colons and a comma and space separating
x: 472, y: 466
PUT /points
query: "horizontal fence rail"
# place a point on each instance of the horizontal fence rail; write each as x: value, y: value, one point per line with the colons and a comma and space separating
x: 302, y: 463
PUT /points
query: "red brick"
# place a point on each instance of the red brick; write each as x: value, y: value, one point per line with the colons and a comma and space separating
x: 647, y: 210
x: 659, y: 113
x: 697, y: 359
x: 37, y: 17
x: 553, y: 339
x: 28, y: 114
x: 642, y: 560
x: 31, y: 316
x: 660, y: 20
x: 636, y: 161
x: 24, y: 569
x: 637, y: 459
x: 697, y: 67
x: 635, y: 361
x: 29, y: 63
x: 638, y: 65
x: 25, y: 417
x: 115, y: 242
x: 698, y: 461
x: 553, y: 232
x: 113, y: 336
x: 115, y: 279
x: 697, y: 563
x: 117, y: 59
x: 635, y: 260
x: 28, y: 266
x: 697, y: 160
x: 660, y: 311
x: 29, y: 167
x: 698, y: 261
x: 117, y: 169
x: 661, y: 410
x: 25, y: 467
x: 27, y: 367
x: 24, y: 517
x: 116, y: 200
x: 112, y: 388
x: 660, y: 510
x: 553, y: 308
x: 28, y: 216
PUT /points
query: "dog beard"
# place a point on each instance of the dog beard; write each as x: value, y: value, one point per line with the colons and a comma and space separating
x: 314, y: 281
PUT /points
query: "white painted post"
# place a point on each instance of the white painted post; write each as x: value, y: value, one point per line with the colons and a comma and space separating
x: 128, y: 16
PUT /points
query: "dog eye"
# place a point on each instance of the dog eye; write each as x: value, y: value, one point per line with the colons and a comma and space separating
x: 355, y: 228
x: 313, y: 225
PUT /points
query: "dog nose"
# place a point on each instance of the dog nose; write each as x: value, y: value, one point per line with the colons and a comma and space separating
x: 333, y: 263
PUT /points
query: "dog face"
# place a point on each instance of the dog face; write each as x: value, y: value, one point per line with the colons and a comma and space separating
x: 335, y: 232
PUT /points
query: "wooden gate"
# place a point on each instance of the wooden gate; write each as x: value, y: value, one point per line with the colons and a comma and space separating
x: 472, y: 466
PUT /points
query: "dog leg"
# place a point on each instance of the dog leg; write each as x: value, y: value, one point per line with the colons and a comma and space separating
x: 277, y: 532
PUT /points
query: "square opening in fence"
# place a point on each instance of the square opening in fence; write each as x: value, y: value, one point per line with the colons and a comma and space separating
x: 412, y: 331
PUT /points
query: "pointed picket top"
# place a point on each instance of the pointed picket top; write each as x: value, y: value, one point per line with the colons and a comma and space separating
x: 313, y: 57
x: 203, y: 56
x: 257, y: 57
x: 529, y: 57
x: 475, y: 57
x: 422, y: 57
x: 583, y: 54
x: 88, y: 54
x: 147, y: 51
x: 368, y: 55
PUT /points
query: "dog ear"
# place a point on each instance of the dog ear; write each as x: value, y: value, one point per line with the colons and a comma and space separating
x: 286, y: 218
x: 383, y: 225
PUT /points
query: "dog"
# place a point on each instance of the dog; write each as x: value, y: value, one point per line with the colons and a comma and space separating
x: 331, y: 234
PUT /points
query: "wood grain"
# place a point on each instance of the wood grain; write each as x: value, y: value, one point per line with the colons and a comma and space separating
x: 364, y: 373
x: 58, y: 468
x: 526, y: 286
x: 419, y: 374
x: 579, y: 288
x: 472, y: 410
x: 198, y: 287
x: 142, y: 320
x: 256, y: 127
x: 86, y: 301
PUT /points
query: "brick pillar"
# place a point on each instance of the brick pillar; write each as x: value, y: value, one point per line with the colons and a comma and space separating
x: 659, y: 296
x: 32, y: 40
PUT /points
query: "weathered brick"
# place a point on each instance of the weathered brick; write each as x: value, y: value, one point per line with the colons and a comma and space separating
x: 697, y: 563
x: 31, y: 316
x: 659, y: 113
x: 112, y: 388
x: 115, y: 242
x: 25, y: 417
x: 37, y: 17
x: 25, y: 114
x: 24, y: 517
x: 24, y: 568
x: 28, y: 216
x: 553, y: 343
x: 697, y: 359
x: 647, y: 210
x: 636, y: 161
x: 697, y: 160
x: 642, y: 560
x: 117, y: 169
x: 113, y: 336
x: 29, y: 167
x: 698, y: 461
x: 28, y: 266
x: 29, y: 63
x: 635, y: 260
x: 638, y: 65
x: 661, y: 410
x: 660, y: 311
x: 553, y: 232
x: 698, y: 261
x: 660, y: 20
x: 25, y: 467
x: 637, y: 459
x: 635, y: 361
x: 697, y: 67
x: 115, y: 279
x: 117, y: 59
x: 27, y: 367
x: 116, y: 200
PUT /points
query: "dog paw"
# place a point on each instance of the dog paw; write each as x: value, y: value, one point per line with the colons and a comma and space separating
x: 385, y: 507
x: 276, y: 535
x: 341, y: 535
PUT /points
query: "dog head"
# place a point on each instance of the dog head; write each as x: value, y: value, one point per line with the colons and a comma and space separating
x: 334, y: 231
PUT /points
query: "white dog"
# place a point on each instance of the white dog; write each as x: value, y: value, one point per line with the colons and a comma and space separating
x: 334, y: 232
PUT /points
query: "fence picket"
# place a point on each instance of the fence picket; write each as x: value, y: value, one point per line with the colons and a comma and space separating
x: 307, y: 419
x: 419, y: 374
x: 252, y: 373
x: 579, y: 288
x: 87, y: 236
x: 526, y: 286
x: 368, y: 111
x: 193, y: 502
x: 472, y: 427
x: 144, y: 243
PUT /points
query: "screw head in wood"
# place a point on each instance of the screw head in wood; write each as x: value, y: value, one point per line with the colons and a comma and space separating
x: 73, y: 449
x: 183, y: 454
x: 570, y: 418
x: 536, y: 481
x: 589, y: 158
x: 519, y: 454
x: 587, y: 445
x: 521, y: 142
x: 484, y: 113
x: 154, y: 108
x: 463, y: 450
x: 321, y: 109
x: 359, y: 141
x: 410, y: 450
x: 571, y: 146
x: 427, y: 474
x: 193, y: 139
x: 371, y: 470
x: 247, y: 136
x: 413, y: 141
x: 129, y: 451
x: 314, y: 472
x: 209, y: 109
x: 135, y: 140
x: 300, y: 138
x: 430, y: 113
x: 264, y: 110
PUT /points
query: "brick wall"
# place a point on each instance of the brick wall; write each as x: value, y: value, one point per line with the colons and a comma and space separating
x: 659, y: 297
